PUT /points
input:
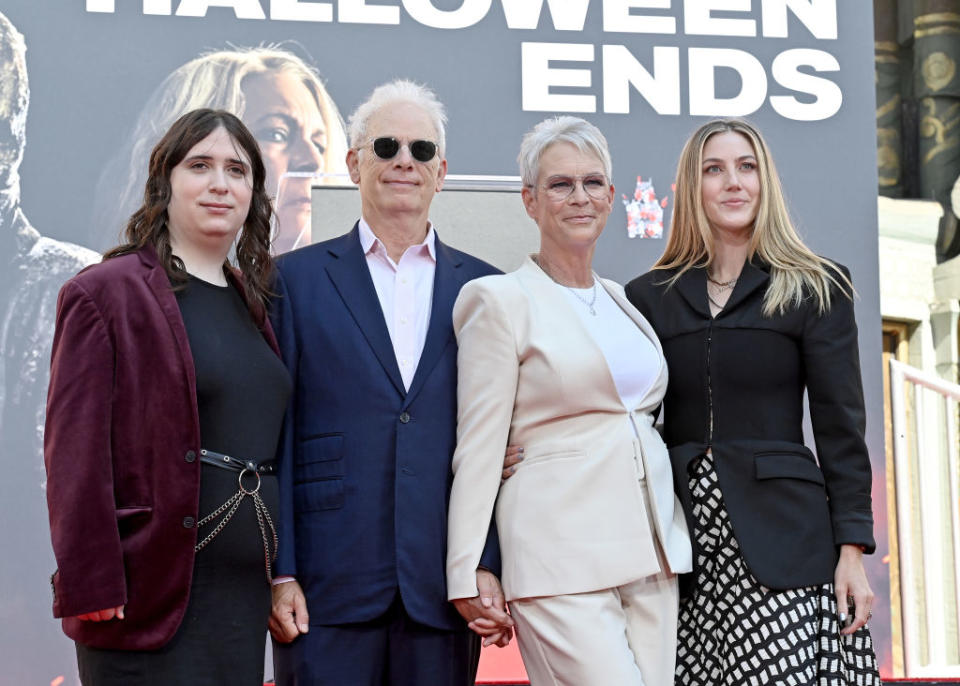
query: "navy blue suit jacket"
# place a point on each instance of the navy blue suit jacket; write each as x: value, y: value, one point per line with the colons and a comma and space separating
x: 364, y: 464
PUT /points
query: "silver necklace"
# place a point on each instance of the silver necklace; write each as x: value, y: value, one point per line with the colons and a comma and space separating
x: 589, y: 303
x: 722, y: 285
x: 714, y: 302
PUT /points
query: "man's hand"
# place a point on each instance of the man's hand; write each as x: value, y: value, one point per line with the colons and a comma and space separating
x: 289, y: 617
x: 102, y: 615
x: 486, y: 613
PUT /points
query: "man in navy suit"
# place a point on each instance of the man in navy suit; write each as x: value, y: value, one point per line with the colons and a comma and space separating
x: 364, y: 324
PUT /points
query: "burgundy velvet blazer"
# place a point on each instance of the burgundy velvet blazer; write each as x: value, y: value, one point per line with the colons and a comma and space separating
x: 121, y: 449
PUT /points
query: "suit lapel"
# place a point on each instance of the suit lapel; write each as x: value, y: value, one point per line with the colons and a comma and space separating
x: 158, y: 282
x: 692, y: 287
x: 547, y: 295
x: 351, y: 277
x: 751, y: 278
x: 446, y: 287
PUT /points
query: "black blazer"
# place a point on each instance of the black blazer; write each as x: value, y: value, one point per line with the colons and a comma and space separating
x: 788, y: 512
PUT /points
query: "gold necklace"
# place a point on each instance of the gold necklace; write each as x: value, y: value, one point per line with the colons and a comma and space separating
x: 722, y: 285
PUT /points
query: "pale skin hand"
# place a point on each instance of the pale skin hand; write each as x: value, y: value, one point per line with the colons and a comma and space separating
x: 486, y: 613
x: 102, y: 615
x: 850, y: 579
x: 511, y: 460
x: 289, y: 617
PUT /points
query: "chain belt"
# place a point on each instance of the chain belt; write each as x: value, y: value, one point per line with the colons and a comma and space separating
x: 229, y: 508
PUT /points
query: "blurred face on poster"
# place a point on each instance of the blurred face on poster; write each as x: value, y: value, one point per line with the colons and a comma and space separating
x: 14, y: 95
x: 285, y: 117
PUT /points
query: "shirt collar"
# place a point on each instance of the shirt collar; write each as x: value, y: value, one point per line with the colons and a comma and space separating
x: 369, y: 241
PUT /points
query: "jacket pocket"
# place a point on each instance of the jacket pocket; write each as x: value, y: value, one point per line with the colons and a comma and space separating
x: 548, y: 453
x: 797, y: 464
x: 132, y: 524
x: 319, y: 457
x: 316, y: 496
x: 321, y: 448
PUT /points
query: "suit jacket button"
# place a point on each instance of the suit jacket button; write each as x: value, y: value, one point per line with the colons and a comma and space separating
x: 188, y: 522
x: 404, y: 417
x: 190, y: 456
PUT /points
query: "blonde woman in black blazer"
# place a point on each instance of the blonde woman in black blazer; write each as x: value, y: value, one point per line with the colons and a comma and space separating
x: 749, y: 318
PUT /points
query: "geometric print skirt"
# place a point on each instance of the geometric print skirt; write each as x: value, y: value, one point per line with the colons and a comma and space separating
x: 734, y: 631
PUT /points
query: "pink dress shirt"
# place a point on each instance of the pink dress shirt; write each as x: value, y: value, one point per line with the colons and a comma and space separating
x: 405, y: 291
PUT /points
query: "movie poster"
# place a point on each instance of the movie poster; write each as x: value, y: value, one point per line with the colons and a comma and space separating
x: 88, y: 86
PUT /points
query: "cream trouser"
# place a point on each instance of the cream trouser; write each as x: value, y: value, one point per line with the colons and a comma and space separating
x: 623, y: 636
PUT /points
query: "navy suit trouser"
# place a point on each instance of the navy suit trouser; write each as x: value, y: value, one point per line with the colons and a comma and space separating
x: 392, y: 650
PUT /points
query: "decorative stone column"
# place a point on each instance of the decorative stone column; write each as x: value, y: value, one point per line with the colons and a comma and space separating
x: 937, y: 87
x: 889, y: 127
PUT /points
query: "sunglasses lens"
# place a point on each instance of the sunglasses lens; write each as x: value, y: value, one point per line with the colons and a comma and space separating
x: 386, y: 148
x: 423, y: 151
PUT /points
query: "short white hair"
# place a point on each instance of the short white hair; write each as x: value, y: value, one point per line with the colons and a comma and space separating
x: 563, y: 129
x: 398, y: 91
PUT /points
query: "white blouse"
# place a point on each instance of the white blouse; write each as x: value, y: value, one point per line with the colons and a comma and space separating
x: 632, y: 358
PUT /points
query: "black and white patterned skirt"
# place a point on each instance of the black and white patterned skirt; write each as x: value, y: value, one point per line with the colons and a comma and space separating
x: 734, y: 631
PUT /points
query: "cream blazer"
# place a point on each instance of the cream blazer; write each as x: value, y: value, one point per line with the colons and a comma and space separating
x: 571, y: 519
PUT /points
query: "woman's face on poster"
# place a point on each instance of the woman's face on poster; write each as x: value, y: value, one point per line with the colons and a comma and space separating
x: 285, y: 118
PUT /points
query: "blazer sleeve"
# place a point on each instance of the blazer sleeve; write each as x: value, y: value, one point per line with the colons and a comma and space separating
x: 835, y: 392
x: 78, y: 456
x: 488, y: 369
x: 281, y: 316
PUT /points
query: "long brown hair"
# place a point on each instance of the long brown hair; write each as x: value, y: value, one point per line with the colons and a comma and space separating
x: 148, y: 225
x: 796, y: 271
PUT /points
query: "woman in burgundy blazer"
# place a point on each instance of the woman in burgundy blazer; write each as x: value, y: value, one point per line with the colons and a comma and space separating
x: 130, y: 391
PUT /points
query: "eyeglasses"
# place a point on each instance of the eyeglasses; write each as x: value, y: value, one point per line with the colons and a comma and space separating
x: 560, y: 187
x: 386, y: 148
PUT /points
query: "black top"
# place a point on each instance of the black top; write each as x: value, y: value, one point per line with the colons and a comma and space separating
x: 788, y: 509
x: 242, y: 391
x: 242, y: 385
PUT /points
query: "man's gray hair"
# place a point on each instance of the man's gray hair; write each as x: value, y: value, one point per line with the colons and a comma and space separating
x: 398, y: 91
x: 563, y: 129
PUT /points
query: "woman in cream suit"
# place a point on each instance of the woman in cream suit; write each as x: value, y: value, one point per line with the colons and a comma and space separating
x: 554, y: 358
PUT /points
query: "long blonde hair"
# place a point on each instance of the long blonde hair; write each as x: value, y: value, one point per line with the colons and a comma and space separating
x: 795, y: 271
x: 212, y: 80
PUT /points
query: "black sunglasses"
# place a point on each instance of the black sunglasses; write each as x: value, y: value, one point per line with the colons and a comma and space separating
x: 386, y: 148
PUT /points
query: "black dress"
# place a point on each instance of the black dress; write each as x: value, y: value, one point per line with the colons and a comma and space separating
x: 242, y: 391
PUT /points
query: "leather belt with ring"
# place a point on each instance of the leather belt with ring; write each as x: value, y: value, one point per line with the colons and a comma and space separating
x: 226, y: 462
x: 227, y: 510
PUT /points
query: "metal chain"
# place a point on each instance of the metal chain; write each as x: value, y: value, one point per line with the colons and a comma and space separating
x: 261, y: 509
x: 232, y: 503
x: 234, y: 500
